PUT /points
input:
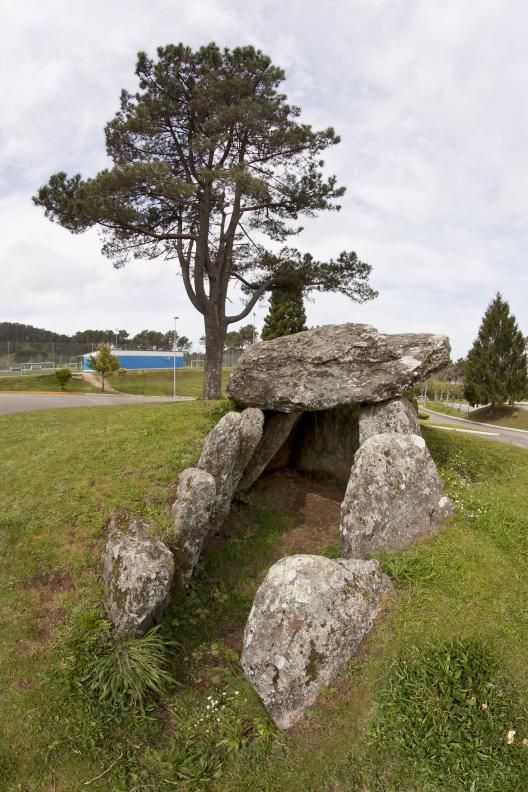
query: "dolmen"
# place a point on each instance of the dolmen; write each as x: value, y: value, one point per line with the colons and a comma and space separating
x: 327, y: 400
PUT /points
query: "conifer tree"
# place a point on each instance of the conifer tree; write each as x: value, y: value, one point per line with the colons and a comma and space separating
x: 496, y: 368
x: 286, y: 314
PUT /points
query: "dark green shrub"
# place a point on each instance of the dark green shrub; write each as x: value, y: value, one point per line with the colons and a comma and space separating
x: 63, y: 376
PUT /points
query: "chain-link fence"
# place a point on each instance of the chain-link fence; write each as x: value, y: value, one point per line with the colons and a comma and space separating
x: 26, y: 356
x: 23, y: 356
x: 196, y: 359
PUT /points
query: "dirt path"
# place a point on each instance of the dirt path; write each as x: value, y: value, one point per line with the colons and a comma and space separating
x: 95, y: 381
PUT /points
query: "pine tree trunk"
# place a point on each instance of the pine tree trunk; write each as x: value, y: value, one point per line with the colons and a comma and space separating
x: 215, y: 333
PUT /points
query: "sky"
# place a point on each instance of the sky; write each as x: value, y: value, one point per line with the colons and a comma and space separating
x: 429, y: 97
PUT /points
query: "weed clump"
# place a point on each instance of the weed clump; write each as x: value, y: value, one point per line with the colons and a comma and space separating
x: 115, y: 670
x: 450, y: 713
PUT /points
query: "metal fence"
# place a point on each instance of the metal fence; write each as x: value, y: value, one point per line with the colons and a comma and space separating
x: 23, y: 357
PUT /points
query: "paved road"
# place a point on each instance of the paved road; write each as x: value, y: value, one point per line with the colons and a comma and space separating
x: 498, y: 433
x: 24, y: 402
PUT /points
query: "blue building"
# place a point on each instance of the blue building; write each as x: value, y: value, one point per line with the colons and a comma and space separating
x: 139, y: 360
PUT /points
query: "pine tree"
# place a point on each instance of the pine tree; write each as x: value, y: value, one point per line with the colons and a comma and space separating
x: 496, y: 369
x: 207, y: 157
x: 286, y: 315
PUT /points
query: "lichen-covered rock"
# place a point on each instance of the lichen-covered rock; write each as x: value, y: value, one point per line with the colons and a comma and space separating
x: 396, y: 415
x: 138, y: 571
x: 336, y: 364
x: 308, y: 619
x: 191, y: 519
x: 326, y: 441
x: 227, y: 449
x: 251, y: 429
x: 394, y: 495
x: 277, y: 429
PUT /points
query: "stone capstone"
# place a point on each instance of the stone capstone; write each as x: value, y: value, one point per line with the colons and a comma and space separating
x: 332, y: 365
x: 226, y: 452
x: 308, y: 619
x: 394, y: 495
x: 191, y: 519
x: 396, y: 415
x: 138, y: 571
x: 277, y: 430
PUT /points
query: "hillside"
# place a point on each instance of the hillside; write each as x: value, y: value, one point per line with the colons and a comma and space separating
x: 459, y: 608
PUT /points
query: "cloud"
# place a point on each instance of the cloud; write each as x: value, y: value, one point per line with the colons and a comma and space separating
x: 429, y: 99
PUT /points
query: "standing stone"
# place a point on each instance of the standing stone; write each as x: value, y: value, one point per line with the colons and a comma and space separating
x: 251, y: 429
x: 394, y: 495
x: 396, y: 415
x: 331, y: 365
x: 277, y: 430
x: 226, y: 451
x: 138, y: 570
x: 191, y: 515
x: 308, y: 619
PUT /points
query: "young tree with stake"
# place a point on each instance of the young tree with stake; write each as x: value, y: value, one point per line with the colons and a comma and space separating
x: 104, y: 363
x: 209, y: 159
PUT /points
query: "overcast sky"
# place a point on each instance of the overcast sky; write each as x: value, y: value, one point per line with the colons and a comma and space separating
x: 430, y: 99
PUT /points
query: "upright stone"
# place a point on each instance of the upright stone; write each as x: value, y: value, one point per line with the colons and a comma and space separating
x: 332, y: 365
x: 394, y: 495
x: 308, y: 619
x: 191, y: 515
x: 138, y: 570
x: 226, y: 451
x: 396, y: 415
x: 277, y: 430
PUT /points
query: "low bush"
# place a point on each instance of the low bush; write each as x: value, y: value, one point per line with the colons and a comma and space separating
x: 63, y: 376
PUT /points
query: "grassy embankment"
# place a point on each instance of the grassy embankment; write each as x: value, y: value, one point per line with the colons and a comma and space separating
x: 160, y: 383
x: 422, y: 707
x: 511, y: 417
x: 43, y: 382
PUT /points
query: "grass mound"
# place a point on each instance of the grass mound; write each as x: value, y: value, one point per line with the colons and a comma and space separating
x: 189, y: 382
x: 43, y: 382
x: 511, y: 417
x: 452, y: 718
x: 70, y: 694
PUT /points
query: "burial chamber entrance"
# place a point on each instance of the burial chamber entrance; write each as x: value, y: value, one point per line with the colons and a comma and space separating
x: 323, y: 441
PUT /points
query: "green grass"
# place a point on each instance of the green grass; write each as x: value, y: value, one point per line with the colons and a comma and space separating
x: 445, y: 409
x: 42, y: 382
x: 160, y: 383
x: 405, y: 716
x: 511, y: 417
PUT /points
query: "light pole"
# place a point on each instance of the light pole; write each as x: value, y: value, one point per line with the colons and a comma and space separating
x: 174, y: 360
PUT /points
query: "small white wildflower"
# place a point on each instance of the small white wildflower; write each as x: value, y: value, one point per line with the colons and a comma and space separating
x: 484, y: 705
x: 510, y: 737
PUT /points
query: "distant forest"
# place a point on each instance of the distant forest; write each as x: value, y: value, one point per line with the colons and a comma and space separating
x: 25, y: 334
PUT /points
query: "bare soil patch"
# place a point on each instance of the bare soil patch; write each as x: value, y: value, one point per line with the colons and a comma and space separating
x: 312, y: 505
